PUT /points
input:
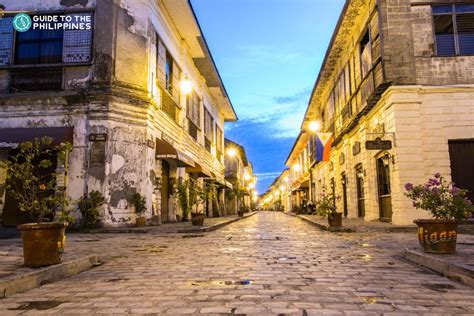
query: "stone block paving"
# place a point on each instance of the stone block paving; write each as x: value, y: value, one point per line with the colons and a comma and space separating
x: 268, y: 264
x: 102, y: 243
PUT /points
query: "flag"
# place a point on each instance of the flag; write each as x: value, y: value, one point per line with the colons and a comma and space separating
x: 323, y: 146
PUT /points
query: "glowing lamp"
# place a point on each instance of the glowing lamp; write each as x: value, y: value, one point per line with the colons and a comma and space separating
x: 186, y: 86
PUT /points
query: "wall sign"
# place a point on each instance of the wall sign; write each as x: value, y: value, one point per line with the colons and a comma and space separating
x: 102, y: 137
x: 97, y: 153
x: 150, y: 143
x: 342, y: 158
x: 378, y: 144
x: 356, y: 149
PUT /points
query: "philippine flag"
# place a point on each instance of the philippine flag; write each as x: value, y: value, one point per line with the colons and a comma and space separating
x: 323, y: 146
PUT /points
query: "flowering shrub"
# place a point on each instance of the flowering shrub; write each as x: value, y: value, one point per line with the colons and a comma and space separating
x: 326, y: 204
x: 444, y: 200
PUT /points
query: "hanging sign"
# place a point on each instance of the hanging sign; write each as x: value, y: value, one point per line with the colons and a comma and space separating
x: 378, y: 144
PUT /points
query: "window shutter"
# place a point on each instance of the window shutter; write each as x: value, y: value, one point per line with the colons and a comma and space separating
x: 175, y: 82
x: 6, y: 41
x: 161, y: 64
x: 465, y: 25
x: 77, y: 44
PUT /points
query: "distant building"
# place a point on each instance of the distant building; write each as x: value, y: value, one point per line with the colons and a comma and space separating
x: 138, y: 95
x: 395, y: 91
x: 240, y: 178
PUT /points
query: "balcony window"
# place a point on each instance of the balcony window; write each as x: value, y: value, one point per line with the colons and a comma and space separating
x: 208, y: 129
x: 454, y: 29
x: 193, y: 113
x: 167, y: 70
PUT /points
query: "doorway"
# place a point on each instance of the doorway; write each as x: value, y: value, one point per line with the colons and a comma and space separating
x: 462, y: 167
x: 165, y: 188
x: 360, y: 191
x: 344, y: 192
x: 384, y: 189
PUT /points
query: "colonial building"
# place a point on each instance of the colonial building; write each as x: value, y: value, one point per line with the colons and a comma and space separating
x: 281, y: 192
x: 240, y: 178
x: 138, y: 95
x: 396, y: 92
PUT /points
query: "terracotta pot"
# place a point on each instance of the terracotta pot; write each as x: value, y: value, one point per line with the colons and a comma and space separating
x: 140, y: 221
x: 437, y: 236
x: 335, y: 220
x: 197, y: 219
x: 43, y: 243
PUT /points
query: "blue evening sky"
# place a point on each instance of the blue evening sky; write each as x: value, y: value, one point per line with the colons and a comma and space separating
x: 268, y: 53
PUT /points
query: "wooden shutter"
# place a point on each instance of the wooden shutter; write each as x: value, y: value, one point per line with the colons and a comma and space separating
x: 77, y: 44
x: 192, y: 108
x: 161, y: 64
x: 6, y: 41
x: 175, y: 89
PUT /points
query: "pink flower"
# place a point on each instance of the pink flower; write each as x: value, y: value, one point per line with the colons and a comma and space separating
x: 409, y: 186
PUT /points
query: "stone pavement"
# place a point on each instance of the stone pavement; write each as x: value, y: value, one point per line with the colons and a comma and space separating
x: 266, y: 264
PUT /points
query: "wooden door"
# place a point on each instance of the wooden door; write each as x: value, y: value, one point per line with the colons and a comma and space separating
x: 461, y: 154
x: 384, y: 189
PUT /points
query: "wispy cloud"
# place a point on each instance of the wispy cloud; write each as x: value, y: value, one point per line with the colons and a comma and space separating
x: 301, y: 96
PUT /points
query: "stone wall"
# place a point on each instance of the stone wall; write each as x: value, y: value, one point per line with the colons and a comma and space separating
x: 419, y: 121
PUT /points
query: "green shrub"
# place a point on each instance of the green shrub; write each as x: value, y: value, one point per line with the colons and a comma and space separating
x: 89, y: 206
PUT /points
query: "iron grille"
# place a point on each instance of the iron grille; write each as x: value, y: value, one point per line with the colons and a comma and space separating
x: 36, y: 79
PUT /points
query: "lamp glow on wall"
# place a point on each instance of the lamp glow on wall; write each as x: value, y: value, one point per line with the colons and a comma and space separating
x: 296, y: 167
x: 186, y: 86
x: 231, y: 152
x: 282, y: 188
x: 314, y: 126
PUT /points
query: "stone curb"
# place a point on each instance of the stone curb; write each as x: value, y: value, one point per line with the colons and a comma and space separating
x: 216, y: 226
x: 31, y: 280
x: 324, y: 227
x: 146, y: 230
x: 454, y: 271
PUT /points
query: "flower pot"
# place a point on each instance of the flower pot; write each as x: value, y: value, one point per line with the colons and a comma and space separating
x: 140, y: 221
x: 335, y: 220
x: 437, y: 236
x: 43, y: 243
x: 197, y: 219
x: 240, y: 213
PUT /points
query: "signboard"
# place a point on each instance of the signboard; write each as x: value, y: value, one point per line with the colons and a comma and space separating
x: 150, y: 143
x: 378, y: 144
x: 102, y: 137
x: 166, y: 156
x: 342, y: 158
x: 356, y: 149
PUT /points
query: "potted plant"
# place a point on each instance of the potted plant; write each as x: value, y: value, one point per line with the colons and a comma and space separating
x: 183, y: 200
x: 89, y: 206
x: 196, y: 196
x: 139, y: 203
x: 447, y: 204
x: 326, y: 207
x: 32, y: 183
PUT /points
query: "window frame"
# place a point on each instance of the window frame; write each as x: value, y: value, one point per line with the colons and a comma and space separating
x: 62, y: 63
x: 453, y: 13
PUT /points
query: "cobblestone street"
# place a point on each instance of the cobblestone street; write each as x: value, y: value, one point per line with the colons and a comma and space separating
x: 270, y: 263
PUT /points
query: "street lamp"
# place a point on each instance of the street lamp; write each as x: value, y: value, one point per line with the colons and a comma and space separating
x: 186, y: 86
x: 231, y: 152
x: 314, y: 126
x: 296, y: 167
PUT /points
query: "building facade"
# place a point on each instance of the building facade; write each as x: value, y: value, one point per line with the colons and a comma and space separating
x: 240, y: 179
x: 396, y: 92
x: 138, y: 95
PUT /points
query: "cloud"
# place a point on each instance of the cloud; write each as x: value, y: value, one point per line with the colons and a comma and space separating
x: 301, y: 96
